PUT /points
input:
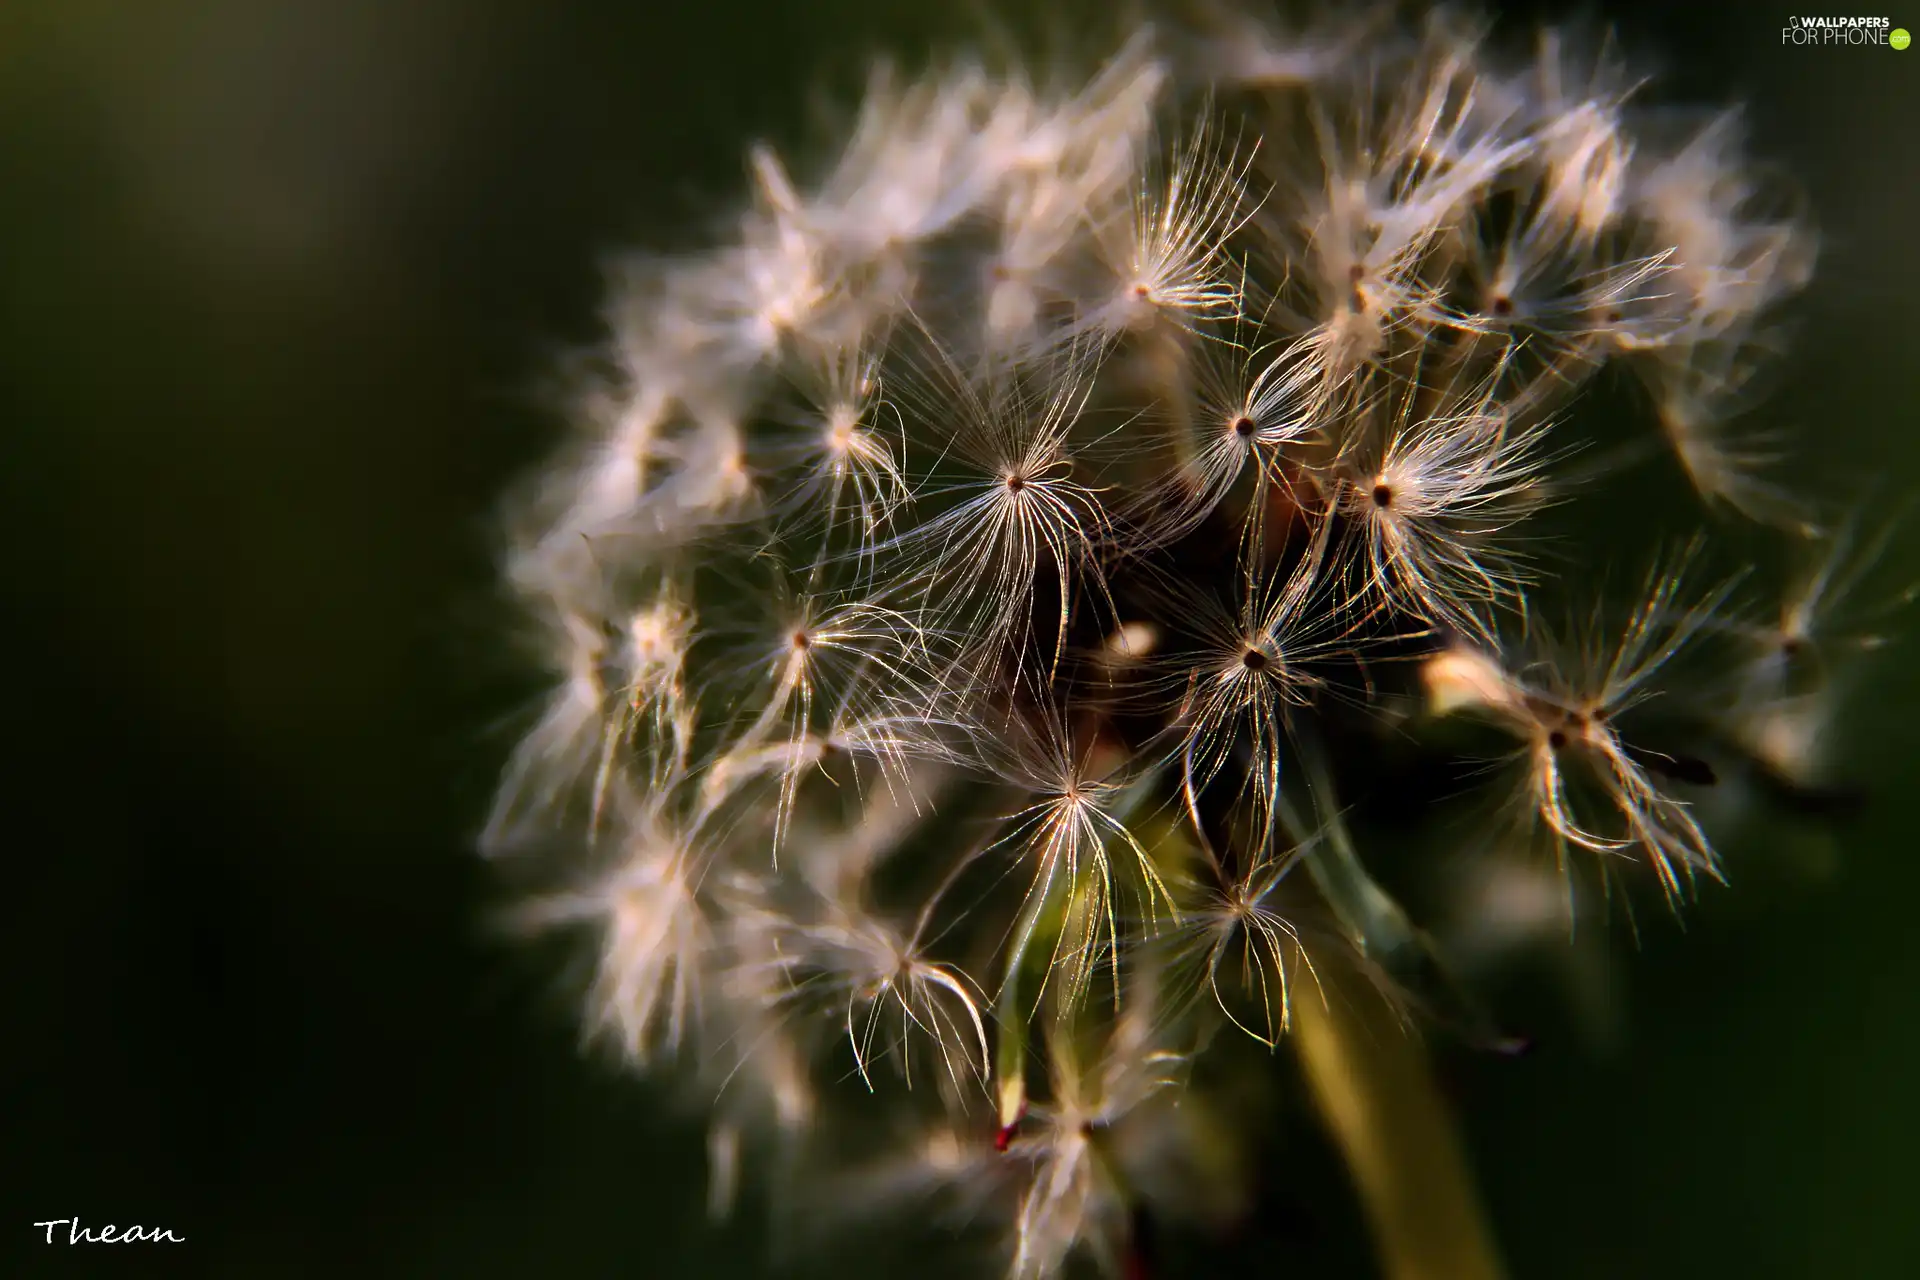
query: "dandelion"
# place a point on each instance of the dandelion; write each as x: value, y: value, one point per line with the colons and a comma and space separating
x: 653, y: 932
x: 1431, y: 496
x: 1253, y: 668
x: 1248, y: 949
x: 1076, y: 1197
x: 1167, y: 260
x: 846, y: 449
x: 1797, y: 658
x: 1567, y: 716
x: 1022, y: 518
x: 1248, y: 409
x: 1004, y: 589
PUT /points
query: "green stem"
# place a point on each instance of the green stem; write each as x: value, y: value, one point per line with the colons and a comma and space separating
x: 1374, y: 1088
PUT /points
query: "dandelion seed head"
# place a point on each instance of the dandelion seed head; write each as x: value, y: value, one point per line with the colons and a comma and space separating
x: 992, y: 586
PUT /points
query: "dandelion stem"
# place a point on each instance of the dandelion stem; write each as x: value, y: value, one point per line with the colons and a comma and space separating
x: 1372, y: 1083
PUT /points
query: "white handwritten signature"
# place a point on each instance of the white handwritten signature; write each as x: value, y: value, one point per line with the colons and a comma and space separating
x: 109, y: 1234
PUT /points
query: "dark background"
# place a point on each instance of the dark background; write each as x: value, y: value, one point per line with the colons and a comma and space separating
x: 282, y: 283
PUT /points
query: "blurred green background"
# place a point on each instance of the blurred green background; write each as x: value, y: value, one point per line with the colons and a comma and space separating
x: 282, y: 286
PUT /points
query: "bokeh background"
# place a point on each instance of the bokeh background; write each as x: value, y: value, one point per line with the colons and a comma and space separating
x: 283, y: 288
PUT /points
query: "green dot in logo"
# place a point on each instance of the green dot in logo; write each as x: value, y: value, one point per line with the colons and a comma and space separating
x: 1899, y: 38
